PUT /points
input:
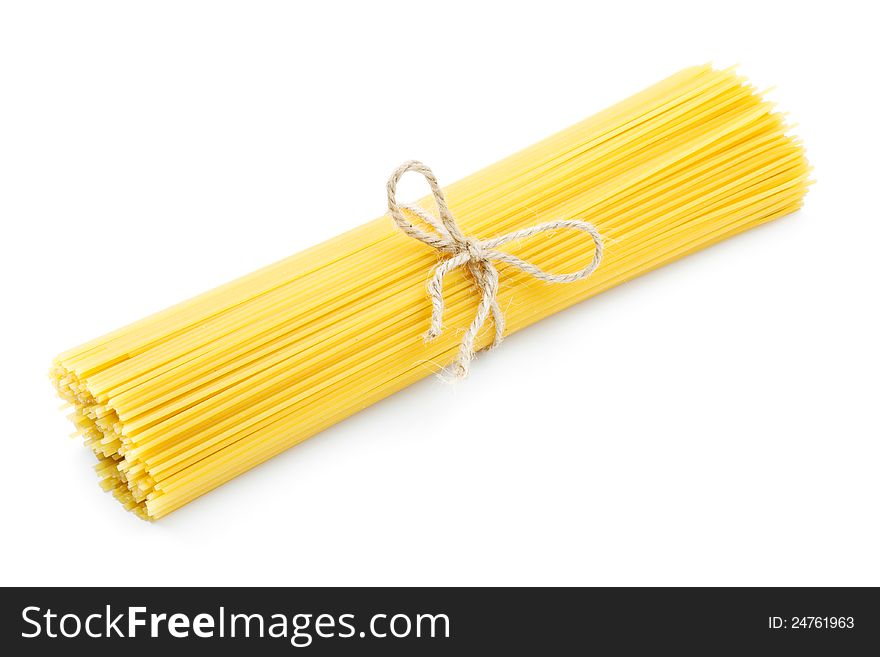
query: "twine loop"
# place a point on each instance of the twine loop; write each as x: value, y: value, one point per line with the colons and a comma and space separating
x: 477, y: 255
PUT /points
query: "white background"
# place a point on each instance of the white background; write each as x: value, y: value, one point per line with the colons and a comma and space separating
x: 715, y: 422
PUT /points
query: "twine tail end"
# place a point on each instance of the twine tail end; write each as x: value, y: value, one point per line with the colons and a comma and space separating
x: 454, y: 373
x: 430, y: 335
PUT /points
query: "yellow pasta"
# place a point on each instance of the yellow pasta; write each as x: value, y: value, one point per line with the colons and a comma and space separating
x: 182, y: 401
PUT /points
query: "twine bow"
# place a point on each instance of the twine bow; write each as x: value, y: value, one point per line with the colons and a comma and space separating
x: 475, y: 254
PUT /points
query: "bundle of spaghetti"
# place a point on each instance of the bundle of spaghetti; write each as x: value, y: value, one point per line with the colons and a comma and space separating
x: 180, y: 402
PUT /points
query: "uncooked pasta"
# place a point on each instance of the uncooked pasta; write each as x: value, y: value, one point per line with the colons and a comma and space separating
x: 180, y: 402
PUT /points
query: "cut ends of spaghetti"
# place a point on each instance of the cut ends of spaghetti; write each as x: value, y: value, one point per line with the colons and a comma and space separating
x: 103, y: 433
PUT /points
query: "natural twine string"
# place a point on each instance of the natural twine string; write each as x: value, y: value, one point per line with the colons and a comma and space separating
x: 475, y: 254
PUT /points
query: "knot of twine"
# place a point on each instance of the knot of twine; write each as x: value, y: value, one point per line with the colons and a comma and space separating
x: 475, y: 254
